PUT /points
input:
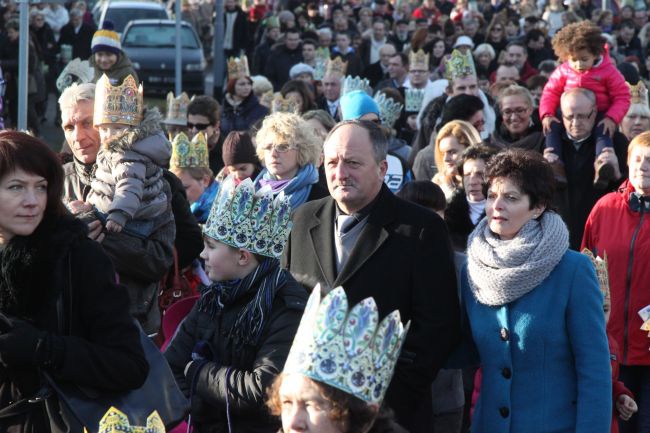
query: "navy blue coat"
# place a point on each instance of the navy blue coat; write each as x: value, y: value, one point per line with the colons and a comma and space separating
x: 243, y: 116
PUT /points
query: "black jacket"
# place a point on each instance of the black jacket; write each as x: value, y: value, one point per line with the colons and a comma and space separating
x: 458, y: 220
x: 403, y: 259
x: 243, y: 116
x: 102, y: 349
x: 80, y: 41
x: 279, y: 63
x: 241, y: 35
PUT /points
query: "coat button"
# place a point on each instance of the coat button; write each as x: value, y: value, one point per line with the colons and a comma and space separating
x: 504, y: 411
x: 504, y: 334
x: 506, y: 373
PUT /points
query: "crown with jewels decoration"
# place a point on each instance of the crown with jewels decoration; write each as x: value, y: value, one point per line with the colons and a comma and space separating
x: 238, y: 67
x: 254, y: 221
x: 336, y: 67
x: 177, y: 109
x: 116, y: 421
x: 118, y: 104
x: 347, y: 350
x: 460, y: 65
x: 280, y: 104
x: 600, y: 263
x: 350, y: 84
x: 413, y: 100
x: 639, y: 93
x: 188, y: 154
x: 76, y: 71
x: 321, y: 60
x: 389, y: 110
x: 419, y: 60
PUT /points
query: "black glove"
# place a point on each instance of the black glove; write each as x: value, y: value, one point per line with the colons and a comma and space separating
x: 23, y: 344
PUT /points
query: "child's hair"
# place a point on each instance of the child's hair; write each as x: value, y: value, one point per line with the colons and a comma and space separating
x: 196, y: 173
x: 576, y: 37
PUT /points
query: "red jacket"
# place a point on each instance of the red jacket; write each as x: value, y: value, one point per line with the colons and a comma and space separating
x: 612, y: 93
x: 613, y: 228
x: 618, y: 387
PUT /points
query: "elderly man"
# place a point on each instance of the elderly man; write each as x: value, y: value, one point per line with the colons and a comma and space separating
x: 331, y: 94
x: 379, y: 70
x: 372, y: 243
x: 580, y: 162
x: 141, y: 264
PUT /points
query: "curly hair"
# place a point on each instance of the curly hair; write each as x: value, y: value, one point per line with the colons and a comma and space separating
x: 576, y: 37
x: 289, y: 128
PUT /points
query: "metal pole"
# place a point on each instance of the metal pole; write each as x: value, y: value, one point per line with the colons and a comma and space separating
x: 179, y: 48
x: 23, y: 65
x: 218, y: 58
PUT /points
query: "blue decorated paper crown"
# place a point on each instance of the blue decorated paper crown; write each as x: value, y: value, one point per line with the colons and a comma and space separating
x: 254, y: 221
x: 413, y: 99
x: 347, y: 350
x: 115, y: 421
x: 188, y: 154
x: 389, y: 110
x: 350, y: 84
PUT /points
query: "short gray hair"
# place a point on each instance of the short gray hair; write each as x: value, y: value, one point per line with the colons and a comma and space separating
x: 75, y: 93
x: 377, y: 137
x: 591, y: 96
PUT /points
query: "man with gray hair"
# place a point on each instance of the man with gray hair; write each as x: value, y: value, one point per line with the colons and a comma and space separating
x: 372, y: 243
x: 77, y: 34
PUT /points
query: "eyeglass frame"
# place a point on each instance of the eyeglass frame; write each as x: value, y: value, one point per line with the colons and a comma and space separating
x: 519, y: 111
x: 286, y: 147
x: 579, y: 117
x: 198, y: 126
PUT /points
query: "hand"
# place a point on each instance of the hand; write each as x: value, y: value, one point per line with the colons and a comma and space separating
x: 609, y: 126
x: 550, y: 156
x: 77, y: 206
x: 608, y: 156
x: 546, y: 123
x: 114, y: 227
x: 626, y: 407
x: 96, y: 231
x: 19, y: 342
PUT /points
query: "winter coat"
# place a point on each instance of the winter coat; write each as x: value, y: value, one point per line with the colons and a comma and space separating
x: 458, y: 220
x: 80, y: 41
x: 279, y: 63
x: 237, y: 379
x: 533, y: 140
x: 116, y: 73
x: 243, y: 116
x: 241, y: 34
x: 618, y: 387
x: 102, y: 348
x: 612, y: 93
x: 624, y: 235
x: 128, y: 182
x: 544, y: 356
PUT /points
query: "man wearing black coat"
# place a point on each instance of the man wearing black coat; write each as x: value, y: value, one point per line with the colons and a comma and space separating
x: 372, y: 243
x: 78, y: 34
x: 237, y: 36
x: 282, y: 59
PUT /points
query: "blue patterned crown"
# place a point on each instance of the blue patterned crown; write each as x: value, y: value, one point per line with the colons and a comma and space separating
x: 355, y: 83
x: 254, y: 221
x: 389, y: 110
x: 115, y: 421
x: 347, y: 350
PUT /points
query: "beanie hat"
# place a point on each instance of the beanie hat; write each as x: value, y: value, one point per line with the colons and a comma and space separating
x: 357, y: 103
x: 238, y: 149
x: 300, y: 68
x: 106, y: 39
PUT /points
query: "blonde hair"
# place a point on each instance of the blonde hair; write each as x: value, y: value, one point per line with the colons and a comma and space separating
x: 75, y: 93
x: 196, y: 173
x: 516, y: 90
x: 463, y: 131
x: 292, y: 129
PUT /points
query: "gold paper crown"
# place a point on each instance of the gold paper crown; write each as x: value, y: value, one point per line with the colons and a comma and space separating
x: 188, y: 154
x: 238, y: 67
x: 283, y: 105
x: 639, y: 93
x: 419, y: 60
x: 116, y: 421
x: 177, y: 109
x: 336, y: 66
x: 118, y: 104
x: 460, y: 65
x: 601, y: 272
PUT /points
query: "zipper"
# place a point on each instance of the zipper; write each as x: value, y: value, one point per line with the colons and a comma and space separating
x: 629, y: 281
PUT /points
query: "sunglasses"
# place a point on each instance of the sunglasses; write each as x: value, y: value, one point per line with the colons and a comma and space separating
x: 198, y: 126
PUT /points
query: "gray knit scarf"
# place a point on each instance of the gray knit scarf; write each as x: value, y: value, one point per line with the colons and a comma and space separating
x: 503, y: 271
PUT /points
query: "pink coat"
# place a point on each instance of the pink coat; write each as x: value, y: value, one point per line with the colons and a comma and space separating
x: 612, y: 93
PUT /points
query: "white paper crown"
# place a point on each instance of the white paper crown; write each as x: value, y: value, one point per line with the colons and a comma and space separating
x: 254, y: 221
x: 76, y: 71
x: 347, y: 350
x: 414, y: 98
x: 389, y: 110
x: 355, y: 83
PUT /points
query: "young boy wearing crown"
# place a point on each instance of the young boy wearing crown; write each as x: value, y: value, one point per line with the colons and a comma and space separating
x: 235, y: 340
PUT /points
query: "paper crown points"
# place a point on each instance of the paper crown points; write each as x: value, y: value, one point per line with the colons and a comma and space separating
x: 459, y: 65
x: 389, y: 110
x: 254, y: 221
x: 189, y: 154
x: 413, y: 100
x: 116, y: 421
x: 350, y: 84
x: 280, y: 104
x: 177, y: 109
x: 419, y: 60
x: 238, y: 67
x: 267, y: 99
x: 118, y: 104
x: 76, y: 71
x: 336, y: 67
x: 600, y: 263
x: 639, y: 93
x: 348, y: 350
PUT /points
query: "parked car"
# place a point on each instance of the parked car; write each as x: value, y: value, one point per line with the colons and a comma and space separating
x: 150, y: 44
x: 121, y: 12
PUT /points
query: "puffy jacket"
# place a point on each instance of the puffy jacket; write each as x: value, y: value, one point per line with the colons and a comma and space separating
x: 613, y: 228
x: 612, y: 93
x: 242, y: 116
x: 116, y: 73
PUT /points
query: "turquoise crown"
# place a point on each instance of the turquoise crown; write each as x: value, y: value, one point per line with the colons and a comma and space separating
x: 389, y: 110
x: 349, y: 84
x: 254, y: 221
x: 413, y: 99
x: 347, y: 350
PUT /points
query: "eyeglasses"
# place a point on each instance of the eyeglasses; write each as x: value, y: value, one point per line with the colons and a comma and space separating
x: 280, y: 148
x: 578, y: 117
x: 198, y: 126
x: 519, y: 111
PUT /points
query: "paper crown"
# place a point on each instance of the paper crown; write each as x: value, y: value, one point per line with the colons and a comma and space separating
x: 459, y: 65
x: 115, y: 421
x: 188, y: 154
x: 601, y: 272
x: 413, y: 100
x: 419, y: 60
x: 267, y: 99
x: 336, y: 67
x: 389, y: 110
x: 254, y: 221
x: 118, y: 104
x: 76, y: 71
x: 321, y: 60
x: 238, y: 67
x: 639, y: 93
x: 350, y: 84
x: 280, y: 104
x: 347, y: 350
x: 177, y: 109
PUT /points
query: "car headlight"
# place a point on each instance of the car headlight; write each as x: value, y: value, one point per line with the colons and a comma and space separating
x: 195, y: 66
x: 135, y: 65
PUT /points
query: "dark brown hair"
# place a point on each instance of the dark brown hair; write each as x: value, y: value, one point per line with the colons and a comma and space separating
x: 303, y: 90
x: 204, y: 105
x: 576, y: 37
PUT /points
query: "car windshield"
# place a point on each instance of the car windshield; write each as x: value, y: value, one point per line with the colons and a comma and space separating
x: 158, y: 36
x: 121, y: 16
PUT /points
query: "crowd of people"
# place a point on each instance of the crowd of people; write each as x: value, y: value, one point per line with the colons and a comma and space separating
x: 402, y: 216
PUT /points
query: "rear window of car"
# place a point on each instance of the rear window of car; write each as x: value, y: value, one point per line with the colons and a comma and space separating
x: 158, y: 36
x: 121, y: 16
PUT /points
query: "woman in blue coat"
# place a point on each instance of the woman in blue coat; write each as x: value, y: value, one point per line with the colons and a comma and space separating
x: 535, y: 311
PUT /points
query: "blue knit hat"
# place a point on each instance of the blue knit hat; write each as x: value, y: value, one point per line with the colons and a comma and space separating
x: 357, y: 103
x: 106, y: 39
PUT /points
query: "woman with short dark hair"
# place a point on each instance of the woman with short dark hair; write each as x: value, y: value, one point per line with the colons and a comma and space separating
x: 241, y: 108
